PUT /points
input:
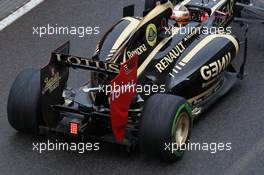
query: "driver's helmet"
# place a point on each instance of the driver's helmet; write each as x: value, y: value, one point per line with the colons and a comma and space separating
x: 181, y: 15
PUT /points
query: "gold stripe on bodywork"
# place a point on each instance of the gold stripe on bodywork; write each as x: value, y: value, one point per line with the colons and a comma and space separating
x: 232, y: 39
x: 126, y: 32
x: 123, y: 36
x: 221, y: 2
x: 206, y: 41
x: 191, y: 54
x: 151, y: 56
x: 155, y: 12
x: 191, y: 100
x: 153, y: 53
x: 151, y: 15
x: 185, y: 2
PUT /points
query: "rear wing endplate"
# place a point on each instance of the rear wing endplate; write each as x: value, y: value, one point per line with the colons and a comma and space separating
x: 61, y: 56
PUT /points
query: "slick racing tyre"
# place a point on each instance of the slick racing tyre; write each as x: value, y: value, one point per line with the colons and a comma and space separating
x: 165, y: 127
x: 23, y: 107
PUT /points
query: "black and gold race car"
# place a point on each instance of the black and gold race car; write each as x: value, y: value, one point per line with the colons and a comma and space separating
x: 151, y: 76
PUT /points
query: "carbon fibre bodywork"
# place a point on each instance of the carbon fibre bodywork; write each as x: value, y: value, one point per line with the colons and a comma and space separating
x: 195, y: 65
x: 188, y: 64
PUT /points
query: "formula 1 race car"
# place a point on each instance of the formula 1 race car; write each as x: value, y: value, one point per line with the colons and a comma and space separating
x: 149, y: 80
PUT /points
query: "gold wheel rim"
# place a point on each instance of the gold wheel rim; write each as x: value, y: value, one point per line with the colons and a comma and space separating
x: 182, y: 129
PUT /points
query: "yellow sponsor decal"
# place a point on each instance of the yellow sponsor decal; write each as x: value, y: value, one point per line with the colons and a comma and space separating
x: 151, y: 34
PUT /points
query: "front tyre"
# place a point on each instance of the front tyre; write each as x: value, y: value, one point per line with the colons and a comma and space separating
x: 23, y: 107
x: 165, y: 126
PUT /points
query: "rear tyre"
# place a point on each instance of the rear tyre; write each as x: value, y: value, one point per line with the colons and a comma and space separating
x: 23, y: 107
x: 166, y: 121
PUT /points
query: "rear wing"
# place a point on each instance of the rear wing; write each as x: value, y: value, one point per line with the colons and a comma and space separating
x: 61, y: 57
x: 54, y: 77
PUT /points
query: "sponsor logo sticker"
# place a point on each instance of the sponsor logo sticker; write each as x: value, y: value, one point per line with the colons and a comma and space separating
x: 215, y: 68
x: 87, y: 63
x: 51, y: 83
x: 139, y: 50
x: 170, y: 57
x: 151, y: 34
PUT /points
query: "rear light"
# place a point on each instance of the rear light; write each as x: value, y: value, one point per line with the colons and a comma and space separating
x: 74, y: 128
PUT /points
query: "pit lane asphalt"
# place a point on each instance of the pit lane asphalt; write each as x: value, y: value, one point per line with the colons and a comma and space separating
x: 237, y: 118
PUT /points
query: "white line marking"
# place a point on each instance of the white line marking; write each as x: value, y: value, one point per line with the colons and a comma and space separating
x: 18, y: 13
